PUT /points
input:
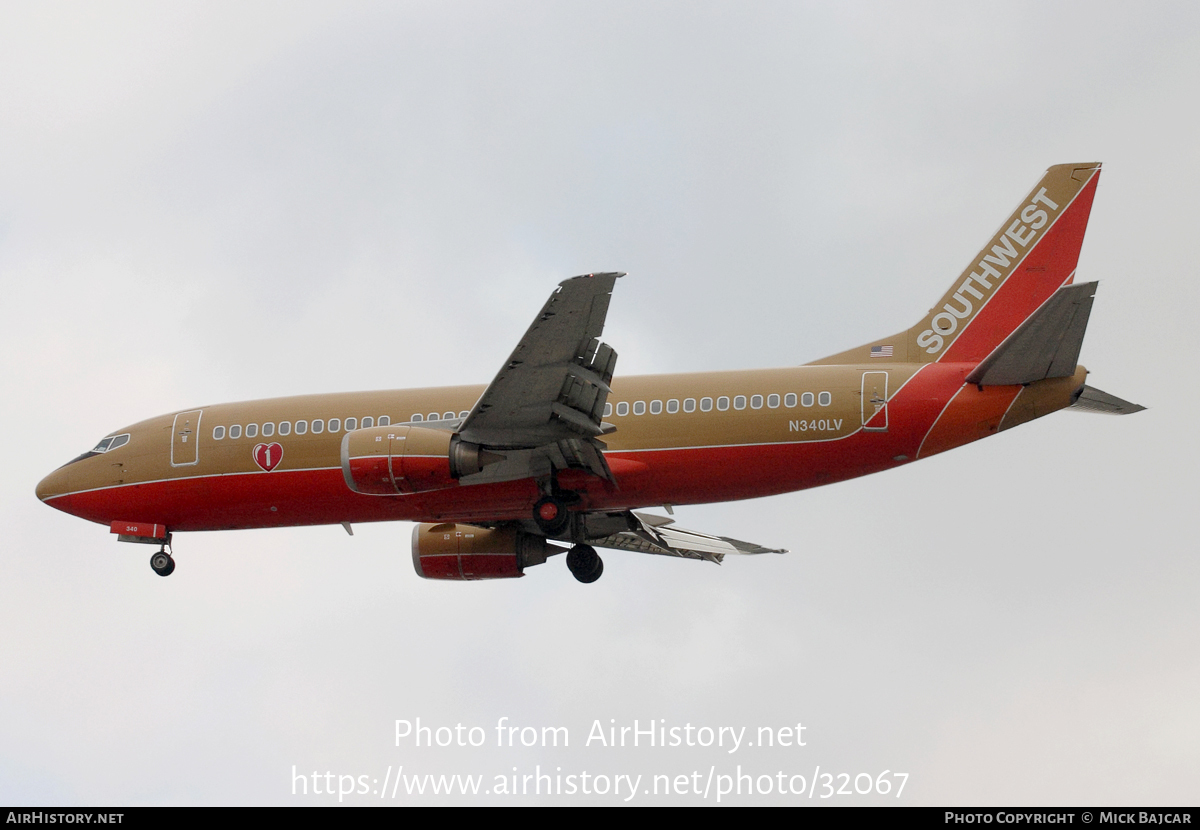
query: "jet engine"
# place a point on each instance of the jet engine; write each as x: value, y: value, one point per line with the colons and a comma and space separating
x: 466, y: 552
x: 398, y: 460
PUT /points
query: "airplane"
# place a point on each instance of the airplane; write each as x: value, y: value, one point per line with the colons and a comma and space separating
x: 558, y: 455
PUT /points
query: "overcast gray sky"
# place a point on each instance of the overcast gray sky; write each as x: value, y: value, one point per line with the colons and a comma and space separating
x: 221, y: 201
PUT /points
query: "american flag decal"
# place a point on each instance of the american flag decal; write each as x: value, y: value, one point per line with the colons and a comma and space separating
x: 881, y: 351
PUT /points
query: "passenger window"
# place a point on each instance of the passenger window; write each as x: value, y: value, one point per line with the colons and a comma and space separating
x: 739, y: 402
x: 608, y: 410
x: 318, y: 426
x: 235, y: 431
x: 789, y: 400
x: 464, y: 413
x: 268, y: 430
x: 218, y: 433
x: 655, y: 407
x: 623, y: 408
x: 639, y: 407
x: 449, y: 416
x: 672, y: 406
x: 301, y: 427
x: 251, y: 430
x: 384, y: 421
x: 825, y: 399
x: 773, y: 401
x: 368, y: 422
x: 418, y: 418
x: 285, y: 427
x: 689, y: 405
x: 756, y: 402
x: 722, y: 403
x: 351, y: 424
x: 706, y: 404
x: 335, y: 425
x: 433, y: 416
x: 806, y: 399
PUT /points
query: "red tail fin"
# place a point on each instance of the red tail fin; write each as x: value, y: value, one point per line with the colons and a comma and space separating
x: 1032, y: 255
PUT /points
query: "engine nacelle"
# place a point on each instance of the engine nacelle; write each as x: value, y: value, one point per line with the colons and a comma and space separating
x: 398, y: 460
x: 466, y: 552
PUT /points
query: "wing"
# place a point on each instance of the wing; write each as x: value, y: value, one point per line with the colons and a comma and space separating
x: 543, y: 410
x: 647, y: 533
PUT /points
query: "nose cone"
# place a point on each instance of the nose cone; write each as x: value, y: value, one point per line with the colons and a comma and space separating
x: 57, y: 484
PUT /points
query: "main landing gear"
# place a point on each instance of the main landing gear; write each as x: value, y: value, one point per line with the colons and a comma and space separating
x: 551, y: 516
x: 162, y: 563
x: 584, y: 563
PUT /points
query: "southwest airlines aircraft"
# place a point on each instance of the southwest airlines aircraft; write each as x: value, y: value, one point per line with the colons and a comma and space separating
x: 555, y: 455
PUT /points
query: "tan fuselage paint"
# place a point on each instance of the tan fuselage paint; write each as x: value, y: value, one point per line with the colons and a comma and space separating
x: 147, y: 455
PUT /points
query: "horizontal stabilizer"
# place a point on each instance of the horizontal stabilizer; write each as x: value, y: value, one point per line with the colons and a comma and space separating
x: 1093, y: 400
x: 653, y: 535
x: 1045, y: 346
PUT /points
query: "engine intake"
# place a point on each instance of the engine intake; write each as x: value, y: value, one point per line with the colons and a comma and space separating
x: 466, y: 552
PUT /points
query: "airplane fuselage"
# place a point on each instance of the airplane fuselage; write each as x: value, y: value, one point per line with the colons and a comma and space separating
x: 679, y: 439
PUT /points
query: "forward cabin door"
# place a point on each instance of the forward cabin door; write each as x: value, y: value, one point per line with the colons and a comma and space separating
x: 874, y: 401
x: 185, y: 439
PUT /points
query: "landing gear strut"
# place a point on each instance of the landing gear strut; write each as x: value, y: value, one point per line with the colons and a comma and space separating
x: 162, y: 563
x: 584, y: 563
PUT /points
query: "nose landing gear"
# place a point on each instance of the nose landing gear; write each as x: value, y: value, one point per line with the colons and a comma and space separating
x: 162, y: 563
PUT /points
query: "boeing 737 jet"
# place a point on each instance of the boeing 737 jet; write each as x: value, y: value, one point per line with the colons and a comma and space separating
x: 558, y: 455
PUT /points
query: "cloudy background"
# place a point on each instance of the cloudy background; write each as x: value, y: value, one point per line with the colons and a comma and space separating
x: 221, y: 201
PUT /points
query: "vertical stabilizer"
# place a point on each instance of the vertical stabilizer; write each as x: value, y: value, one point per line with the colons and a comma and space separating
x: 1031, y: 255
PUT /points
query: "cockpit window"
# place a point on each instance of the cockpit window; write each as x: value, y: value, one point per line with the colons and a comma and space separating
x: 112, y: 442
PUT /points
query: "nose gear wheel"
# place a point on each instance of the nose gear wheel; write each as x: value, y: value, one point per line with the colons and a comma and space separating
x: 162, y: 563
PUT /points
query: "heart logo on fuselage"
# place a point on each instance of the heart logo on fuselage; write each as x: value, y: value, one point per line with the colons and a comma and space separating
x: 268, y: 456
